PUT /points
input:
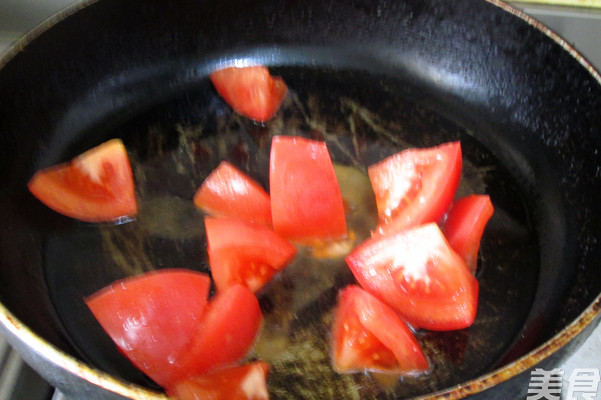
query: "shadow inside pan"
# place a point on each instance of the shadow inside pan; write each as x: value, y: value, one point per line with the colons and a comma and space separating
x: 175, y: 143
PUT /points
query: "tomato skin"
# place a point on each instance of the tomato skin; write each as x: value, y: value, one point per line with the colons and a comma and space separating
x: 464, y: 226
x: 369, y: 335
x: 306, y: 203
x: 415, y: 186
x: 243, y: 252
x: 153, y: 317
x: 227, y: 191
x: 237, y: 382
x: 250, y: 91
x: 96, y: 186
x: 417, y: 273
x: 226, y: 334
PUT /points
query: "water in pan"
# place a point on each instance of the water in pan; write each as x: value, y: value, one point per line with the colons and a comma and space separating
x: 175, y: 145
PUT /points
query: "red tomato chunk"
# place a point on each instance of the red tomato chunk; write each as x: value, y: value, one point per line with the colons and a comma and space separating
x: 96, y: 186
x: 237, y: 382
x: 242, y: 252
x: 464, y: 226
x: 228, y: 192
x: 226, y: 333
x: 153, y: 317
x: 369, y: 336
x: 250, y: 91
x: 417, y: 273
x: 415, y: 186
x: 306, y: 203
x: 162, y: 323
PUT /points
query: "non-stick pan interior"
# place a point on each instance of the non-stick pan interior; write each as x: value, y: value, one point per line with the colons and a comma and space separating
x: 175, y: 145
x: 540, y: 166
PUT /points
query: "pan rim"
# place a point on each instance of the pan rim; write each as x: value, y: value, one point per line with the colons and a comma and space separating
x: 61, y: 359
x: 12, y: 325
x: 551, y: 34
x: 107, y: 381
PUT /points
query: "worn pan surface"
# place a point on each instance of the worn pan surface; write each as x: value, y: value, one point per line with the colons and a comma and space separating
x: 371, y: 78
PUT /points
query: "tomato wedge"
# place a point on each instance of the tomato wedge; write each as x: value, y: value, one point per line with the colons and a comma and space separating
x: 95, y: 186
x: 227, y: 191
x: 225, y: 335
x: 464, y: 226
x: 243, y: 252
x: 369, y: 336
x: 237, y: 382
x: 415, y: 186
x: 417, y: 273
x: 153, y: 317
x: 250, y: 91
x: 306, y: 203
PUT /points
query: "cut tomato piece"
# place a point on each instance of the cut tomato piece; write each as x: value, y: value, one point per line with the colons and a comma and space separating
x: 306, y: 203
x: 369, y: 336
x: 464, y: 226
x: 229, y: 192
x: 153, y: 317
x: 415, y: 186
x: 417, y: 273
x: 95, y: 186
x: 243, y: 252
x: 250, y: 91
x: 237, y: 382
x: 226, y: 334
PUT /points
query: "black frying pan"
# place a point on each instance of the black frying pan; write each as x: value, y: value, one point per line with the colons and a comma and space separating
x: 369, y: 77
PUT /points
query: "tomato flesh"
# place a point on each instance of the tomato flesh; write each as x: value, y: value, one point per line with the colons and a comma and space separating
x: 464, y: 226
x: 306, y: 203
x: 226, y: 333
x: 243, y: 252
x: 415, y: 186
x: 250, y: 91
x: 227, y: 191
x: 369, y: 336
x: 237, y: 382
x: 162, y: 323
x: 417, y: 273
x: 153, y: 317
x: 96, y: 186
